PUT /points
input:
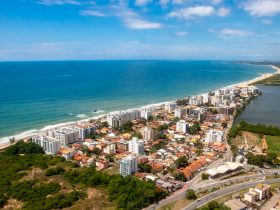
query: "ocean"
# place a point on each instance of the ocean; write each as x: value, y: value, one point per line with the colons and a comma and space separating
x: 37, y: 94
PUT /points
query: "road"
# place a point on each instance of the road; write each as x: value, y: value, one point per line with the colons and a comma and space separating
x: 226, y: 191
x: 208, y: 185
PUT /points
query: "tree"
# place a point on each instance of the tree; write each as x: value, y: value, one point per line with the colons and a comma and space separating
x: 190, y: 194
x: 138, y: 135
x: 143, y: 167
x: 204, y: 176
x: 224, y: 124
x: 181, y: 162
x: 150, y: 118
x: 213, y: 205
x: 179, y: 176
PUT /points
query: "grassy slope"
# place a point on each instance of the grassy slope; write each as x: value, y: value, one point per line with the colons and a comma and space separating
x: 273, y: 143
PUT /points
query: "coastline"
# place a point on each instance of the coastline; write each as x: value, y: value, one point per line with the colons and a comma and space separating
x: 4, y: 141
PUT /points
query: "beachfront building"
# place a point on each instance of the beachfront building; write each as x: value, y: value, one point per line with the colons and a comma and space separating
x: 83, y: 129
x: 66, y: 135
x: 128, y: 166
x: 136, y: 146
x: 182, y: 126
x: 120, y: 118
x: 50, y: 145
x: 170, y: 107
x: 145, y: 113
x: 148, y: 133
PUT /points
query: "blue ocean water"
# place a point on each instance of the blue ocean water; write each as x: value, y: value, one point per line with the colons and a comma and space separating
x: 36, y: 94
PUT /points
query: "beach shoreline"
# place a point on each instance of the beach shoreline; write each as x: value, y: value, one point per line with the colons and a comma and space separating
x: 5, y: 141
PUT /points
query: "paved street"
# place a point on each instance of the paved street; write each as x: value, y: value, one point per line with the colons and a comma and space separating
x: 225, y: 191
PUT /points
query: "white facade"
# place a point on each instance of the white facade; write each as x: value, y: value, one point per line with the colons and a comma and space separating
x: 110, y: 149
x: 179, y: 112
x: 182, y: 126
x: 120, y: 118
x: 66, y: 136
x: 83, y: 129
x: 136, y: 146
x: 145, y: 114
x: 49, y: 145
x: 170, y: 107
x: 148, y: 133
x: 128, y: 166
x: 214, y: 136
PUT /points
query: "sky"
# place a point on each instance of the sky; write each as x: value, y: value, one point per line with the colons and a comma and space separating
x: 139, y: 29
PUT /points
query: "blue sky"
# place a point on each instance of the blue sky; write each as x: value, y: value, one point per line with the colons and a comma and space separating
x: 139, y: 29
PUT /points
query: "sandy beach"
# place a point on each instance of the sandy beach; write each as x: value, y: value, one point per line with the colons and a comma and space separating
x: 5, y: 142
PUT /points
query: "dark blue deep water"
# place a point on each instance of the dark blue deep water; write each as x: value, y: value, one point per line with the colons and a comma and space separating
x: 36, y: 94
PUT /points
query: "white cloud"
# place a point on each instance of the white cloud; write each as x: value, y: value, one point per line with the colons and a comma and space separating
x: 139, y: 24
x: 229, y: 33
x: 141, y: 2
x: 182, y: 33
x: 222, y: 12
x: 262, y: 7
x: 92, y: 13
x: 267, y: 21
x: 192, y: 12
x: 133, y: 21
x: 58, y: 2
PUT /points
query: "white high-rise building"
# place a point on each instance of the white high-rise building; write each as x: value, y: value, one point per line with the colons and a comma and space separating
x: 145, y: 114
x: 49, y: 145
x: 214, y: 136
x: 170, y: 107
x: 179, y: 112
x: 148, y: 133
x: 83, y: 129
x: 182, y: 126
x: 136, y: 146
x: 66, y: 135
x: 128, y: 166
x: 120, y: 118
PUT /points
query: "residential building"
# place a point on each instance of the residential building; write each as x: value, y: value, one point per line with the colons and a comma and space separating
x: 264, y: 191
x: 145, y: 114
x: 170, y: 107
x: 66, y: 135
x: 83, y: 129
x: 128, y: 166
x: 49, y: 145
x: 148, y: 133
x: 179, y: 112
x: 136, y: 146
x: 110, y: 149
x: 214, y: 136
x: 120, y: 118
x: 182, y: 126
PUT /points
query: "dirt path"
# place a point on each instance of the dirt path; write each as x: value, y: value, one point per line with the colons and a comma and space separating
x: 264, y: 144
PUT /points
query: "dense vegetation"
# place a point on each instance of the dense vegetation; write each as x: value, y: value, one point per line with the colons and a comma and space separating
x: 129, y: 193
x: 263, y: 160
x: 190, y: 194
x: 259, y: 128
x: 18, y: 160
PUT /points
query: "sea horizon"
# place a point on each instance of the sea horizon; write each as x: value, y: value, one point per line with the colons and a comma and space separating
x: 238, y: 72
